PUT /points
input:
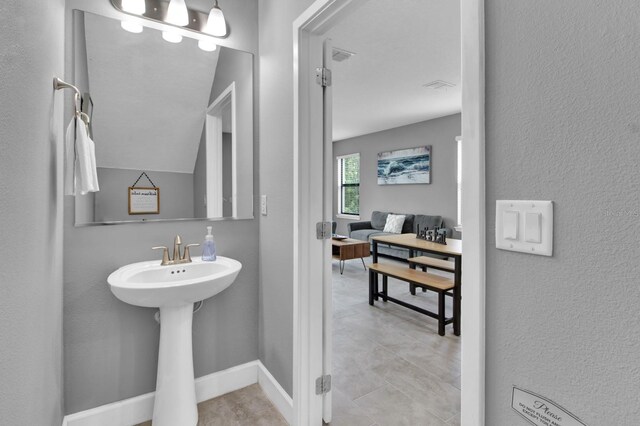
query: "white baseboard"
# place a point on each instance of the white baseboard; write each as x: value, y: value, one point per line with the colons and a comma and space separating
x: 276, y: 394
x: 140, y: 408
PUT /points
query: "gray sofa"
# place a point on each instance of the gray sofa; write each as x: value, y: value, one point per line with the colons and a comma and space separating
x: 366, y: 229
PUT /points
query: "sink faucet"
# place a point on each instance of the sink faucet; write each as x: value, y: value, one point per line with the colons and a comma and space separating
x: 177, y: 259
x: 177, y: 242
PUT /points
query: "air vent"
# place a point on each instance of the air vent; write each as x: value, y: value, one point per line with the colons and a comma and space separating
x: 438, y: 84
x: 340, y: 55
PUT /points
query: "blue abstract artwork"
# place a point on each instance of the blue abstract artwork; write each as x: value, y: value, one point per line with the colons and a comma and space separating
x: 405, y: 166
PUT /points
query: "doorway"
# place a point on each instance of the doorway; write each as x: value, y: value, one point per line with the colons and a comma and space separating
x: 308, y: 315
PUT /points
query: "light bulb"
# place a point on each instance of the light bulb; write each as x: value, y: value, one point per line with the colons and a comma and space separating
x: 171, y: 37
x: 132, y: 27
x: 177, y: 13
x: 134, y: 6
x: 207, y: 45
x: 216, y: 25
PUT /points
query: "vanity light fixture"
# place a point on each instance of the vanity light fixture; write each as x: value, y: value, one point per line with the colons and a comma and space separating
x: 216, y: 24
x: 171, y: 36
x: 176, y: 13
x: 207, y: 45
x: 135, y: 7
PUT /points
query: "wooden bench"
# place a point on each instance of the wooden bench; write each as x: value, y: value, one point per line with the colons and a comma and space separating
x: 440, y: 285
x: 429, y: 262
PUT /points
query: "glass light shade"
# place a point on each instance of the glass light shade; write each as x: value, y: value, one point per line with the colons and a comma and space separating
x: 132, y: 27
x: 134, y: 6
x: 216, y: 25
x: 207, y: 45
x: 171, y: 37
x: 177, y: 13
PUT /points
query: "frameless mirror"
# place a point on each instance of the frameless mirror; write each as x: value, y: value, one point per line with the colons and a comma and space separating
x: 172, y: 125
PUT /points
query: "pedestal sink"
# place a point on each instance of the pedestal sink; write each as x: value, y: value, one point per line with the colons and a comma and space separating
x: 174, y: 289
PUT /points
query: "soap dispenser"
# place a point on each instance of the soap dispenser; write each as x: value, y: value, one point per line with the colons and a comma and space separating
x: 209, y: 246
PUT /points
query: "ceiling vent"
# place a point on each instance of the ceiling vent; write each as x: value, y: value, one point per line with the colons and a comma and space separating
x: 340, y: 55
x: 438, y: 85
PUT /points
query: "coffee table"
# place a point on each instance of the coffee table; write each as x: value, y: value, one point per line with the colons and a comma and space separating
x: 349, y: 248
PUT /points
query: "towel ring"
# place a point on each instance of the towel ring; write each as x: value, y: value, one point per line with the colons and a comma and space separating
x: 77, y: 97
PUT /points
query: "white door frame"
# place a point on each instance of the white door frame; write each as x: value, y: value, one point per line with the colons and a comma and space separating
x: 213, y: 138
x: 307, y: 316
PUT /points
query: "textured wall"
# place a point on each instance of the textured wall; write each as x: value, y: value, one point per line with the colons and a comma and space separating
x: 110, y: 348
x: 276, y: 176
x: 563, y: 124
x: 31, y: 42
x: 437, y: 198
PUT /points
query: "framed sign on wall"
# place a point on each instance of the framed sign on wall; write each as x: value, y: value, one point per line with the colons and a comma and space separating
x: 144, y: 200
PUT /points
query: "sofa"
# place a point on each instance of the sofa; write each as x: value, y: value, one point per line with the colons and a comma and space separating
x: 364, y: 230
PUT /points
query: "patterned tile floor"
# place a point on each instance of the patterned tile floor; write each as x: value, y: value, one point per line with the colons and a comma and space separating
x: 390, y: 366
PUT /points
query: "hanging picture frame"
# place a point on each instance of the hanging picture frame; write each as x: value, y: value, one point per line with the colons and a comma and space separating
x: 144, y: 200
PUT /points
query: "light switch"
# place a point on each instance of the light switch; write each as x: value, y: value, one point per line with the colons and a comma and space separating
x: 532, y: 227
x: 510, y: 225
x: 263, y: 205
x: 525, y: 226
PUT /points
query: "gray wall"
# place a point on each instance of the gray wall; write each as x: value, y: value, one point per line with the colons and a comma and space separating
x: 563, y: 124
x: 276, y: 177
x: 31, y: 42
x: 437, y: 198
x: 110, y: 348
x: 112, y: 201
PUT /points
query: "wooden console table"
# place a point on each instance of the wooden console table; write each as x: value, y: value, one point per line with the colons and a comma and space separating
x: 452, y: 249
x: 349, y: 248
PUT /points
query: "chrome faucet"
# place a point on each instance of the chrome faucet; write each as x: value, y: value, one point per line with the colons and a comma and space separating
x: 177, y: 258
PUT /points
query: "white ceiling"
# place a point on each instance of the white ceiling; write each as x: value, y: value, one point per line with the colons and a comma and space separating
x: 400, y: 45
x: 149, y: 96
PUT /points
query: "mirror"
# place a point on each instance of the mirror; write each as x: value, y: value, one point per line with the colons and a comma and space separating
x: 172, y: 125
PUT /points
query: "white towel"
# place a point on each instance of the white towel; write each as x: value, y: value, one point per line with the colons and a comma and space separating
x: 80, y: 174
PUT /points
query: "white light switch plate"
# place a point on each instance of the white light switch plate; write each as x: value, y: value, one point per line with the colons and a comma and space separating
x: 263, y: 205
x: 534, y: 217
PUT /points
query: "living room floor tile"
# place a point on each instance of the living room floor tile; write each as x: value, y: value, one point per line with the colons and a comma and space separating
x: 387, y: 350
x: 391, y: 407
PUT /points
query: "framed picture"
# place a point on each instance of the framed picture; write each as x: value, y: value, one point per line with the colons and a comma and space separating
x: 144, y: 200
x: 405, y: 166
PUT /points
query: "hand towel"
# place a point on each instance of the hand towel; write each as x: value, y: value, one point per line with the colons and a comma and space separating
x: 80, y: 168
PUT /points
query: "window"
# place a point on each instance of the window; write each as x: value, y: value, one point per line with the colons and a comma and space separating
x: 349, y: 184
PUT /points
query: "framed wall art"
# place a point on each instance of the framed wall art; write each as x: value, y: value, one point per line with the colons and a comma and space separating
x: 405, y: 166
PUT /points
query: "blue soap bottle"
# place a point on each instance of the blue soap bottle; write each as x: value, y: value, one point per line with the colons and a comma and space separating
x: 209, y: 246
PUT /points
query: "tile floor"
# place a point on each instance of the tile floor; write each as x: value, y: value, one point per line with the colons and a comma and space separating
x: 390, y: 366
x: 245, y: 407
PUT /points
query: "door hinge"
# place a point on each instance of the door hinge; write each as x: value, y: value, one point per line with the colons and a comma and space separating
x: 323, y: 230
x: 323, y: 384
x: 323, y: 76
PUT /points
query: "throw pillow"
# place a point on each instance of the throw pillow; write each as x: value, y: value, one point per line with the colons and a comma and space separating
x: 394, y: 223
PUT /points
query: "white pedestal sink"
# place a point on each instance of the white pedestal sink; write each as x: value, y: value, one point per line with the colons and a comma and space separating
x: 174, y: 289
